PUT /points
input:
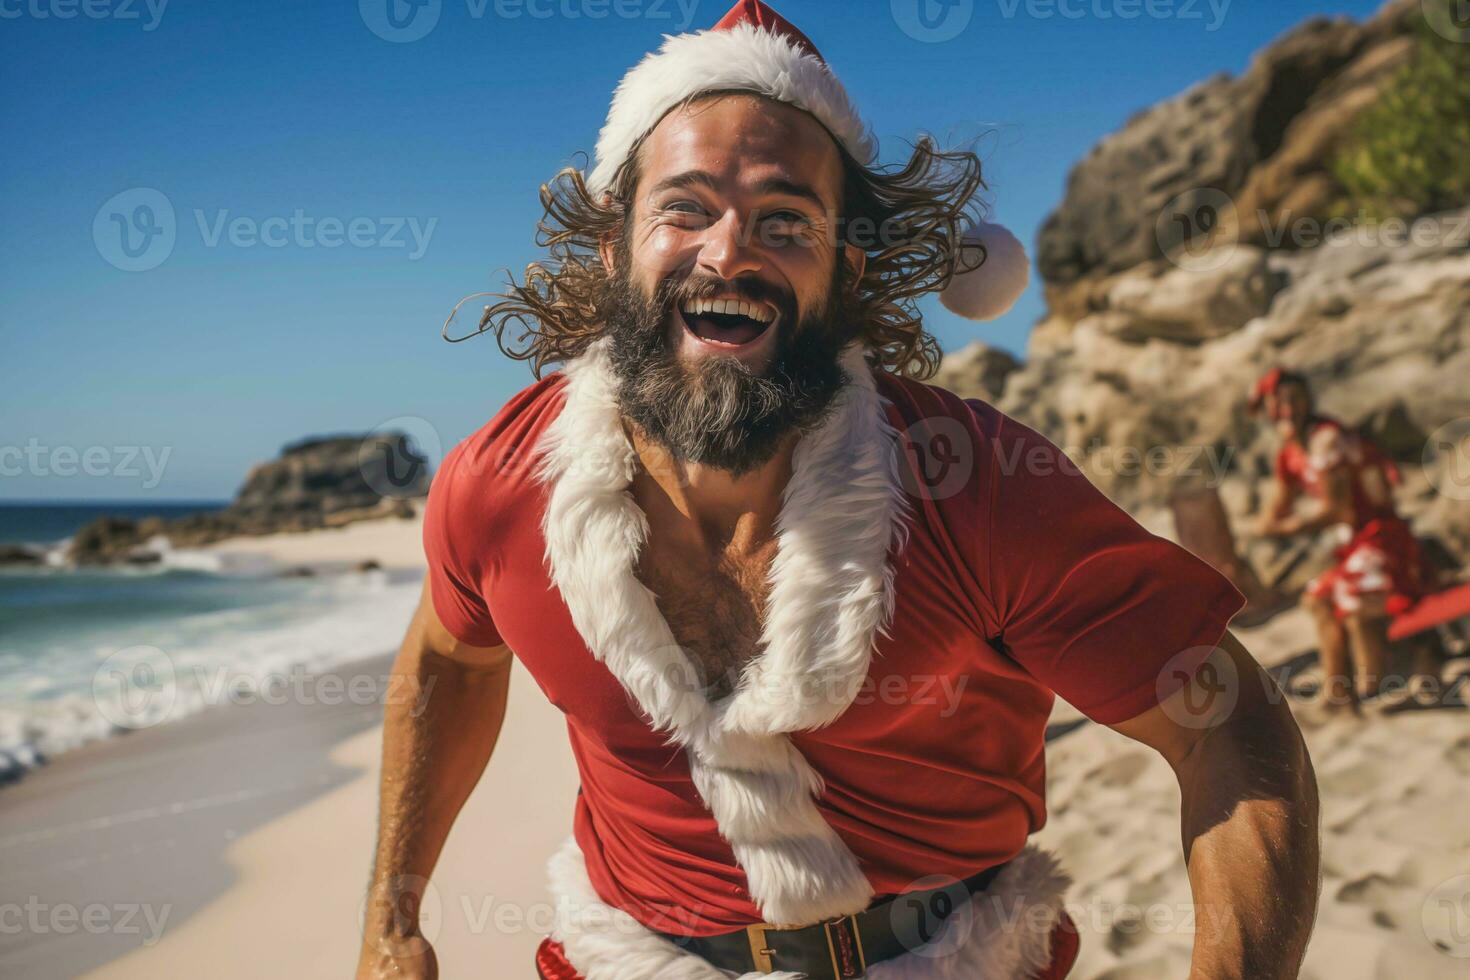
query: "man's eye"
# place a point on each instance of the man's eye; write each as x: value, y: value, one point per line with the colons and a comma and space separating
x: 683, y: 207
x: 787, y: 217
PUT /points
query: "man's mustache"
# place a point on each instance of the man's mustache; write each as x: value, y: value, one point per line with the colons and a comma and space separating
x: 694, y: 286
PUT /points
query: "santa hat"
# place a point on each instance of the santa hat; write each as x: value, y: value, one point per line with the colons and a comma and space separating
x: 1270, y: 383
x: 754, y: 49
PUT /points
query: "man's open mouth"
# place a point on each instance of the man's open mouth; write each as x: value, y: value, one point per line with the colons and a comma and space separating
x: 726, y: 321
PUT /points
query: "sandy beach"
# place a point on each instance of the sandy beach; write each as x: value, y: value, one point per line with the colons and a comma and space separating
x: 393, y: 543
x: 1395, y: 841
x: 240, y: 838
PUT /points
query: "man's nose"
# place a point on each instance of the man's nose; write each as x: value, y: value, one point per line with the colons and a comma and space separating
x: 727, y: 251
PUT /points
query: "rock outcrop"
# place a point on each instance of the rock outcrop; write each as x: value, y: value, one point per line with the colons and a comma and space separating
x: 315, y: 483
x: 1381, y: 329
x: 14, y: 554
x: 978, y: 370
x: 1143, y: 363
x: 317, y: 478
x: 1241, y: 152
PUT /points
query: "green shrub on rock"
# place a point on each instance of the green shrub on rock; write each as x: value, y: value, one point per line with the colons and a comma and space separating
x: 1409, y: 152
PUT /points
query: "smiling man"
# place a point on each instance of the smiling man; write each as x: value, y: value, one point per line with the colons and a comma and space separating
x: 742, y: 546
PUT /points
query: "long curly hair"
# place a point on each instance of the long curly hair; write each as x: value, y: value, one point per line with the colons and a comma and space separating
x: 919, y: 209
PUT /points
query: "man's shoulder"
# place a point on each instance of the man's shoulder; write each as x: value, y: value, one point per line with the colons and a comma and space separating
x: 916, y: 400
x: 503, y: 449
x: 475, y: 502
x: 933, y: 414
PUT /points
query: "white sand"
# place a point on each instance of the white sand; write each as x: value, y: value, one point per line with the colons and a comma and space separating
x: 1395, y: 828
x: 392, y: 542
x: 295, y: 910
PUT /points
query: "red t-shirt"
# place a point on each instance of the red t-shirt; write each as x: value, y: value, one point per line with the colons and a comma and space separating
x: 1018, y: 579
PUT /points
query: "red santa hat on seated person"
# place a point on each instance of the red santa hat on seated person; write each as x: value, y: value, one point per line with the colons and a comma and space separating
x: 754, y: 49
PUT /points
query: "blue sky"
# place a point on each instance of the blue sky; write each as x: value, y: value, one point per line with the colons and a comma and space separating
x: 322, y: 122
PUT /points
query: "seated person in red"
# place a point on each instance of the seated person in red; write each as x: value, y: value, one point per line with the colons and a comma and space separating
x: 1379, y: 571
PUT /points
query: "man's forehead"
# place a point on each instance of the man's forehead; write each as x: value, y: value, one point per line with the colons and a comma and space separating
x: 743, y: 142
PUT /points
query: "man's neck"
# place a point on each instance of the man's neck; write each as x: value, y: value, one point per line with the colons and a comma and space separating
x: 706, y: 506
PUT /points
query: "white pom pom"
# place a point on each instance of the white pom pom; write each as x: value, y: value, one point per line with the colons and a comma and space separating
x: 987, y: 292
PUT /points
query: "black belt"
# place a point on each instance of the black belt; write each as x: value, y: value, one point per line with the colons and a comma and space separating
x: 841, y: 948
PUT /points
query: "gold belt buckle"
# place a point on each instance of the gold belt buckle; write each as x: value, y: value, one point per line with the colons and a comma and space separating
x: 841, y: 951
x: 759, y: 951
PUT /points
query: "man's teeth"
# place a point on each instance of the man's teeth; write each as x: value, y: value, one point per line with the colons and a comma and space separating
x: 729, y: 307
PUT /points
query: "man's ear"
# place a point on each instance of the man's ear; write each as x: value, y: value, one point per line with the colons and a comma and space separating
x: 608, y: 243
x: 605, y: 246
x: 857, y: 261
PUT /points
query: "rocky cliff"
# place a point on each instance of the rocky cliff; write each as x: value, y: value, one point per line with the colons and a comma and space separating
x: 1205, y: 243
x: 318, y: 482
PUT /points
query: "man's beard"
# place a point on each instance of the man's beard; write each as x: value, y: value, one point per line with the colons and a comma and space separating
x: 717, y: 411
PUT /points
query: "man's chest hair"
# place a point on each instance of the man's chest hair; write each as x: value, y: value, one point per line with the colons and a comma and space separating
x: 714, y: 608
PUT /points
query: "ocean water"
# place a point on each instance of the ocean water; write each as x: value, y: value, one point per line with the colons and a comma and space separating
x: 93, y: 653
x: 48, y: 523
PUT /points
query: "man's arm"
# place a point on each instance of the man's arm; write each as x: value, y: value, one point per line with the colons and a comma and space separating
x: 1249, y: 815
x: 439, y: 728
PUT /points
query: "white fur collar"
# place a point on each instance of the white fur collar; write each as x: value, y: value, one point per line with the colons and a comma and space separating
x: 832, y: 592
